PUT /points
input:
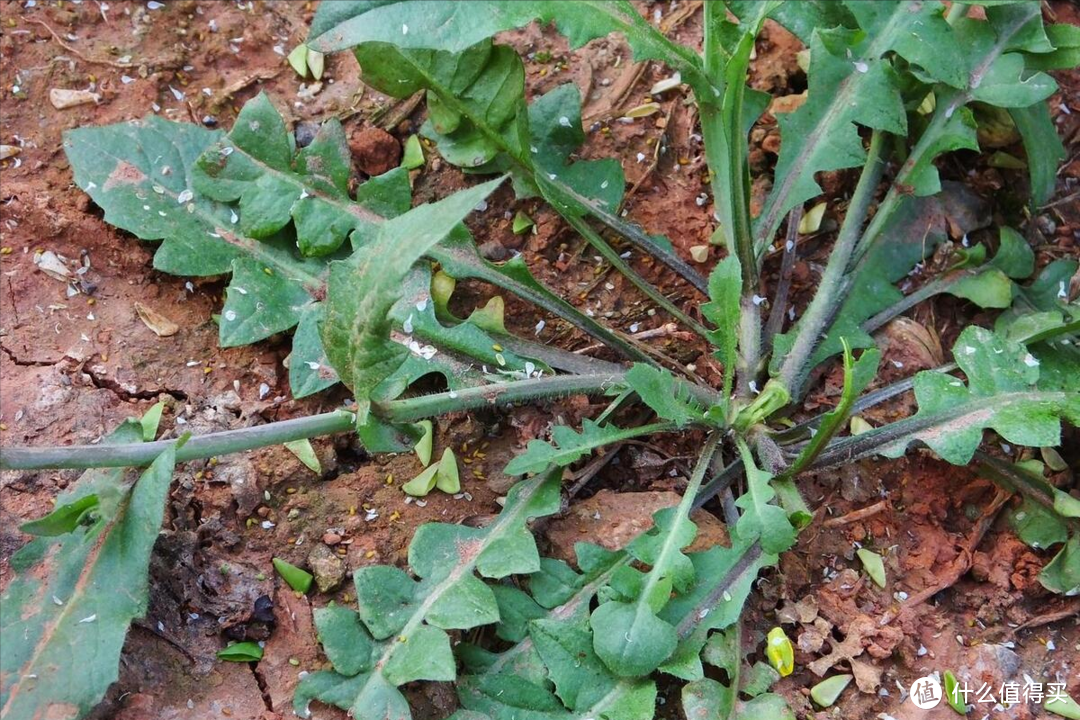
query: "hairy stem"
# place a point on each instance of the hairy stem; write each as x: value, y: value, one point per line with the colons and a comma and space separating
x: 795, y: 368
x: 232, y: 441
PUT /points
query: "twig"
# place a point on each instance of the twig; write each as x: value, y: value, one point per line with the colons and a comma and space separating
x: 787, y: 264
x: 665, y: 330
x: 962, y: 564
x: 856, y: 515
x: 94, y: 60
x: 1051, y: 617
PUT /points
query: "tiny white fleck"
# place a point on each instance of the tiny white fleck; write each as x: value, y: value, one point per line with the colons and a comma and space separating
x: 404, y: 29
x: 179, y: 95
x: 230, y: 315
x: 407, y: 326
x: 861, y: 66
x: 634, y: 327
x: 564, y: 121
x: 422, y: 305
x: 57, y: 601
x: 539, y: 327
x: 242, y: 291
x: 264, y: 390
x: 1030, y: 360
x: 184, y: 196
x: 603, y: 185
x: 758, y: 299
x: 1061, y: 288
x: 640, y: 157
x: 233, y: 217
x: 551, y: 176
x: 88, y: 619
x: 313, y: 365
x: 753, y: 387
x: 452, y: 394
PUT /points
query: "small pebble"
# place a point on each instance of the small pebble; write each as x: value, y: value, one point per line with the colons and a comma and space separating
x: 331, y: 538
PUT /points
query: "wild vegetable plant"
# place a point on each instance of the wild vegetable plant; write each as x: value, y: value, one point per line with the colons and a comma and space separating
x: 363, y: 280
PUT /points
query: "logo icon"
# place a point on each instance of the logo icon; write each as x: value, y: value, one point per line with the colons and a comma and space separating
x: 926, y: 692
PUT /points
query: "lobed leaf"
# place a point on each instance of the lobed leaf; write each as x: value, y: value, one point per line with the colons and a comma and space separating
x: 399, y: 631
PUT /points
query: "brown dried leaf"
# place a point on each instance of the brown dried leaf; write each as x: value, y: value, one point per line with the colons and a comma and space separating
x: 161, y: 325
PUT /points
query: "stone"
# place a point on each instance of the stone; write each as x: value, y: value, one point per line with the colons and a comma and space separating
x: 328, y: 568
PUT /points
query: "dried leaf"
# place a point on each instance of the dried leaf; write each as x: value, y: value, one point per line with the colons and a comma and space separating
x: 161, y: 325
x: 62, y: 98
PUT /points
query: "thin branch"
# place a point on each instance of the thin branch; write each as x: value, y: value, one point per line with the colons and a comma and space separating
x: 775, y: 322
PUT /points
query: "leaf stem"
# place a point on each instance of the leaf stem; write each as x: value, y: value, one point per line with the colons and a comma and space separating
x: 661, y: 568
x: 814, y: 322
x: 277, y: 433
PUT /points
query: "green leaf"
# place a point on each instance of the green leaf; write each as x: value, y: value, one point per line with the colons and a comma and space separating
x: 298, y: 58
x: 306, y: 454
x: 1037, y: 526
x: 1062, y: 574
x: 259, y: 303
x: 1002, y: 393
x: 345, y: 641
x: 64, y: 519
x: 1062, y: 705
x: 413, y: 155
x: 309, y: 370
x: 722, y: 310
x: 446, y: 479
x: 873, y: 565
x: 257, y: 167
x: 569, y: 446
x: 1066, y: 54
x: 760, y: 518
x: 766, y: 707
x: 423, y: 445
x: 150, y: 421
x: 430, y: 24
x: 758, y: 679
x: 176, y: 182
x: 409, y: 618
x: 857, y: 375
x: 361, y: 292
x: 1007, y: 391
x: 952, y: 696
x: 516, y: 610
x: 522, y: 222
x: 423, y: 483
x: 63, y: 594
x: 827, y: 692
x: 299, y: 580
x: 1043, y: 147
x: 658, y: 389
x: 851, y: 82
x: 241, y: 652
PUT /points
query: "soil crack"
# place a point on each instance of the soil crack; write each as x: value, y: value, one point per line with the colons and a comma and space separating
x: 113, y: 386
x: 27, y: 363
